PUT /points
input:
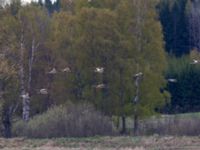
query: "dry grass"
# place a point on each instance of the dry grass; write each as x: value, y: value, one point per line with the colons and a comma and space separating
x: 104, y: 143
x: 175, y: 125
x: 178, y: 125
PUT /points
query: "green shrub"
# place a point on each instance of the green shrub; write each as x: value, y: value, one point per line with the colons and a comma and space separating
x: 72, y: 120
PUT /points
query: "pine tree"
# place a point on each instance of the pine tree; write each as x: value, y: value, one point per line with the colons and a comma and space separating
x: 193, y: 18
x: 48, y: 4
x: 33, y: 26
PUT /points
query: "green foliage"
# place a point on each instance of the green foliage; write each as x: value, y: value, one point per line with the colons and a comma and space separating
x: 60, y: 48
x: 122, y: 36
x: 110, y: 4
x: 143, y: 44
x: 98, y: 43
x: 34, y: 22
x: 185, y: 92
x: 8, y: 83
x: 9, y: 89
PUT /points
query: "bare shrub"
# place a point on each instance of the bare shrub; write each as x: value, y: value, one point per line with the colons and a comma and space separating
x: 80, y: 120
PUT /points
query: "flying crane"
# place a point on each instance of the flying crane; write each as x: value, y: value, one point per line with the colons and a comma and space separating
x: 53, y: 71
x: 99, y: 70
x: 67, y: 69
x: 194, y: 61
x: 172, y: 80
x: 43, y: 91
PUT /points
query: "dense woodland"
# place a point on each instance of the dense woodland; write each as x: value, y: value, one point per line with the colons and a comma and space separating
x: 127, y: 58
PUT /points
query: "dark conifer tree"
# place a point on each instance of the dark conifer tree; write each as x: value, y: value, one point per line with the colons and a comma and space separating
x: 175, y: 26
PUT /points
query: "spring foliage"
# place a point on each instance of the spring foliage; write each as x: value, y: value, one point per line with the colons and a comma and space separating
x: 124, y: 37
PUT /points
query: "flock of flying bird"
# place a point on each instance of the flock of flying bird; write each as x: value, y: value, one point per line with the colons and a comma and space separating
x: 99, y: 70
x: 44, y: 91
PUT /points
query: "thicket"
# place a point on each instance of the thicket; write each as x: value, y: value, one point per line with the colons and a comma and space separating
x: 70, y: 120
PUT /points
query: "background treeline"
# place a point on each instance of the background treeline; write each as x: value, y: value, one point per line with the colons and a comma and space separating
x: 180, y: 22
x: 106, y: 53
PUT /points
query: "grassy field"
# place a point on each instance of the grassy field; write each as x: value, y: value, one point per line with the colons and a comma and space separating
x: 103, y: 143
x: 175, y: 125
x: 179, y: 124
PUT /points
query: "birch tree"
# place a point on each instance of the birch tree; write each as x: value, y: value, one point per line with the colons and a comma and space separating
x: 143, y: 33
x: 33, y: 21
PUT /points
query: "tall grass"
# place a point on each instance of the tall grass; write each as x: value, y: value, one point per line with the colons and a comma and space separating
x: 171, y: 125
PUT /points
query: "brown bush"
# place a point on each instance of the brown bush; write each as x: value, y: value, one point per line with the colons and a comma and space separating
x: 171, y: 125
x: 72, y: 120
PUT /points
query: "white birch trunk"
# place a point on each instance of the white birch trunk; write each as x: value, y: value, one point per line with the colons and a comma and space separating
x: 31, y: 58
x: 135, y: 102
x: 25, y: 100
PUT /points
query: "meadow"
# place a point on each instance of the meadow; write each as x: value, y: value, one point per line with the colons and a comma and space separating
x: 163, y: 132
x: 102, y: 143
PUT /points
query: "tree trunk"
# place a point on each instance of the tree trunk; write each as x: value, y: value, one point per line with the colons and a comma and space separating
x: 139, y: 22
x: 6, y: 114
x: 138, y: 32
x: 48, y: 102
x: 31, y: 58
x: 26, y: 109
x: 118, y: 122
x: 136, y: 125
x: 25, y: 100
x: 135, y: 102
x: 6, y: 120
x: 136, y: 99
x: 123, y: 131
